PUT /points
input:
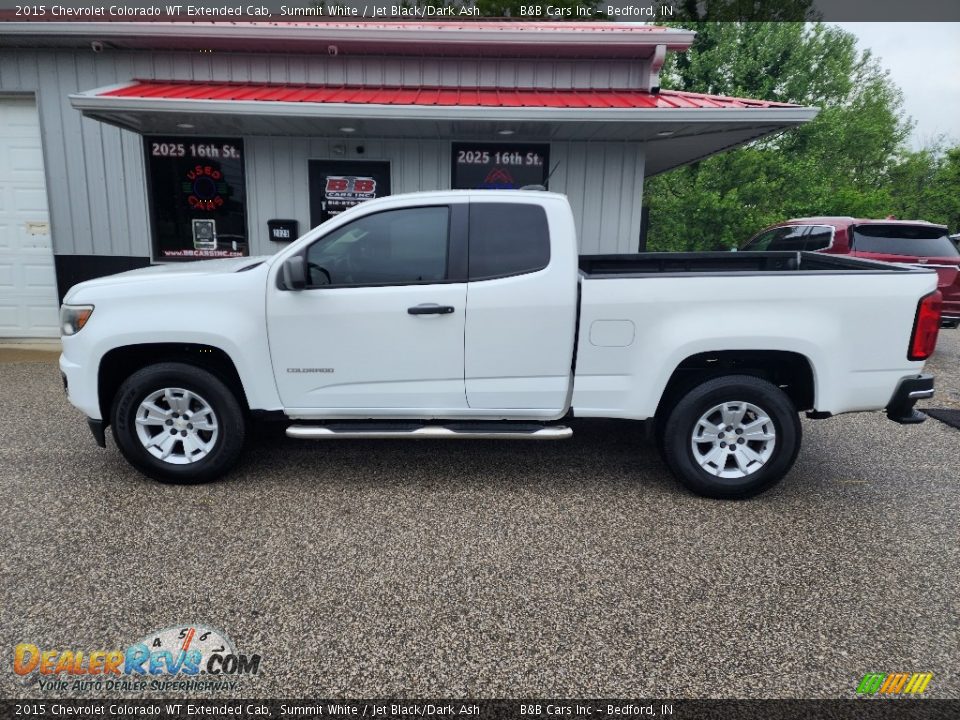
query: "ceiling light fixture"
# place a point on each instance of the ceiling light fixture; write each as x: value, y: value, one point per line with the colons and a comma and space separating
x: 185, y: 126
x: 348, y: 129
x: 665, y: 133
x: 505, y: 132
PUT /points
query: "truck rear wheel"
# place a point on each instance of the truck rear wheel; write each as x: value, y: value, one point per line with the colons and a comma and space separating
x: 732, y: 437
x: 178, y: 423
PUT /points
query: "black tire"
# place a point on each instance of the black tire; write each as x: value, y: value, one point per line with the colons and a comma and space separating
x: 683, y: 419
x: 227, y: 411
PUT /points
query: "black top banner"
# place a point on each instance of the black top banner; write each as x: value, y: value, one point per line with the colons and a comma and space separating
x: 533, y: 709
x: 466, y: 10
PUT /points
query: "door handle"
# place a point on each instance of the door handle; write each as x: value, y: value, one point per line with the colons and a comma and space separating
x: 430, y: 309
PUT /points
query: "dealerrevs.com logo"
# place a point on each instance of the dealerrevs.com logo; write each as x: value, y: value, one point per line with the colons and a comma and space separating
x: 188, y: 657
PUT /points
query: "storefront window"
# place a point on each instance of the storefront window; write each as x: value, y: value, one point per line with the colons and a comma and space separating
x: 499, y: 166
x: 197, y: 197
x: 337, y: 185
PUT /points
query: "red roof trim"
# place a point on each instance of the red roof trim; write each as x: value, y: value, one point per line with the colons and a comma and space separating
x: 493, y: 25
x: 437, y: 96
x: 449, y: 26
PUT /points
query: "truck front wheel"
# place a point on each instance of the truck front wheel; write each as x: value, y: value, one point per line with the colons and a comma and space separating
x: 178, y: 423
x: 732, y: 437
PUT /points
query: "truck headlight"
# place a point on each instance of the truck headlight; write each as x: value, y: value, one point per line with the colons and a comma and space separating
x: 74, y: 317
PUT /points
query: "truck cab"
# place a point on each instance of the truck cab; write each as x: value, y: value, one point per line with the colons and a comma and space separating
x: 398, y: 314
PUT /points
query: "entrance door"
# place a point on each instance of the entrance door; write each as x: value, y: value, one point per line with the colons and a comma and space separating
x: 336, y: 185
x: 28, y: 283
x: 378, y: 331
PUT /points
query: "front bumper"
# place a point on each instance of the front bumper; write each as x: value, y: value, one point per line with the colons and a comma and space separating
x: 911, y: 389
x: 97, y: 427
x: 80, y: 384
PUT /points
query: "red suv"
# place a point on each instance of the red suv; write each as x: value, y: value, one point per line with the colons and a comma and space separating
x: 914, y: 242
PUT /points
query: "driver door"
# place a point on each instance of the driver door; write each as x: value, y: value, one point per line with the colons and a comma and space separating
x: 379, y: 328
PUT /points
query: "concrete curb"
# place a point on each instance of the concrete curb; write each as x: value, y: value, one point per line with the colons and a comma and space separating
x: 13, y: 350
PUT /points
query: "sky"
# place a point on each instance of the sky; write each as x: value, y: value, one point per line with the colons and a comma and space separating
x: 924, y: 61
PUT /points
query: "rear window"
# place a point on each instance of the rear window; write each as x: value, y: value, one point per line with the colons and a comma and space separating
x: 793, y: 237
x: 507, y: 239
x: 916, y: 240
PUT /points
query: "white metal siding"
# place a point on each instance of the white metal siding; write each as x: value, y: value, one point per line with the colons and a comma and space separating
x: 28, y: 287
x: 96, y: 175
x: 95, y: 172
x: 603, y: 180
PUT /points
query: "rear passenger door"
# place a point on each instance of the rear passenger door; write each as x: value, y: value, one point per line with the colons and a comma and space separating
x: 521, y: 310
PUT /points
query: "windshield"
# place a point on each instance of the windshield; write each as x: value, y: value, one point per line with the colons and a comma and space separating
x: 918, y: 240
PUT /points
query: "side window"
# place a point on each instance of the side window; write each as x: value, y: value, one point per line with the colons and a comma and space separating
x: 793, y: 238
x: 789, y: 238
x: 818, y: 238
x: 507, y: 239
x: 392, y: 247
x: 762, y: 241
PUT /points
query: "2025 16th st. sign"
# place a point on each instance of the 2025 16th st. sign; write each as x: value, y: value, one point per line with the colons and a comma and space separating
x: 499, y: 166
x: 197, y: 197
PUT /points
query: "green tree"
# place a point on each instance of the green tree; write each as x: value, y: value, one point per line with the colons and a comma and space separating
x: 925, y: 184
x: 839, y: 163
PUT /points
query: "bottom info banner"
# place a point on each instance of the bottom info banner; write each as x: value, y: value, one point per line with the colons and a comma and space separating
x: 482, y: 709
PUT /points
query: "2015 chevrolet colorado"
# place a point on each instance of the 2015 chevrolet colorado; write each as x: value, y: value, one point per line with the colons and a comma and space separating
x: 468, y: 314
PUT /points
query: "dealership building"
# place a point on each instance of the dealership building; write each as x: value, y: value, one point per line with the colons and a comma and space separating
x: 127, y: 144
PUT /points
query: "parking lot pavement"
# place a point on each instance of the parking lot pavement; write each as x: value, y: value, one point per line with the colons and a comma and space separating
x: 945, y: 366
x: 577, y: 568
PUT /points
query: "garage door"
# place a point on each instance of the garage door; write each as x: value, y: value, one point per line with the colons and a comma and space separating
x: 28, y: 285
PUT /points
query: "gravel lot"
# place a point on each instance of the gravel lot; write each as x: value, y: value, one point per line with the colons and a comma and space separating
x: 371, y: 569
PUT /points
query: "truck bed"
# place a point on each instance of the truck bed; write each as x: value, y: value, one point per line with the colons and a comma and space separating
x: 727, y: 263
x: 642, y: 316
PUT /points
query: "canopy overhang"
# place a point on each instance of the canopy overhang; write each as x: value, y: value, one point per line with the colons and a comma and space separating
x: 677, y: 128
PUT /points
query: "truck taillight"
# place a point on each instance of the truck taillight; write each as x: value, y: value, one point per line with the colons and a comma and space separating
x: 925, y: 327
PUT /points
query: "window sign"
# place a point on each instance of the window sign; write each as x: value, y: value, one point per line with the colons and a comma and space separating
x: 197, y: 197
x: 337, y: 185
x: 494, y: 166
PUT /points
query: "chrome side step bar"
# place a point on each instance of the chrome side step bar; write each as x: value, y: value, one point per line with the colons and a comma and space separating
x: 430, y: 432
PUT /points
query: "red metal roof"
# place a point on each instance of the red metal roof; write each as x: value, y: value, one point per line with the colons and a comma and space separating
x: 484, y: 24
x: 493, y: 26
x: 435, y: 96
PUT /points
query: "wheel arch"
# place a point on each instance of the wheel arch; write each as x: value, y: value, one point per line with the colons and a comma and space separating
x: 792, y: 372
x: 118, y: 364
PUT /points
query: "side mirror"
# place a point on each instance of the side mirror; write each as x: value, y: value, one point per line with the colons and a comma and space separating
x: 294, y: 273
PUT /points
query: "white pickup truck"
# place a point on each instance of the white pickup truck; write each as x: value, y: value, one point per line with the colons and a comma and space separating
x: 468, y: 314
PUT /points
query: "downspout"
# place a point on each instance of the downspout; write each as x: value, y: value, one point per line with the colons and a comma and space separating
x: 656, y: 63
x: 653, y: 84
